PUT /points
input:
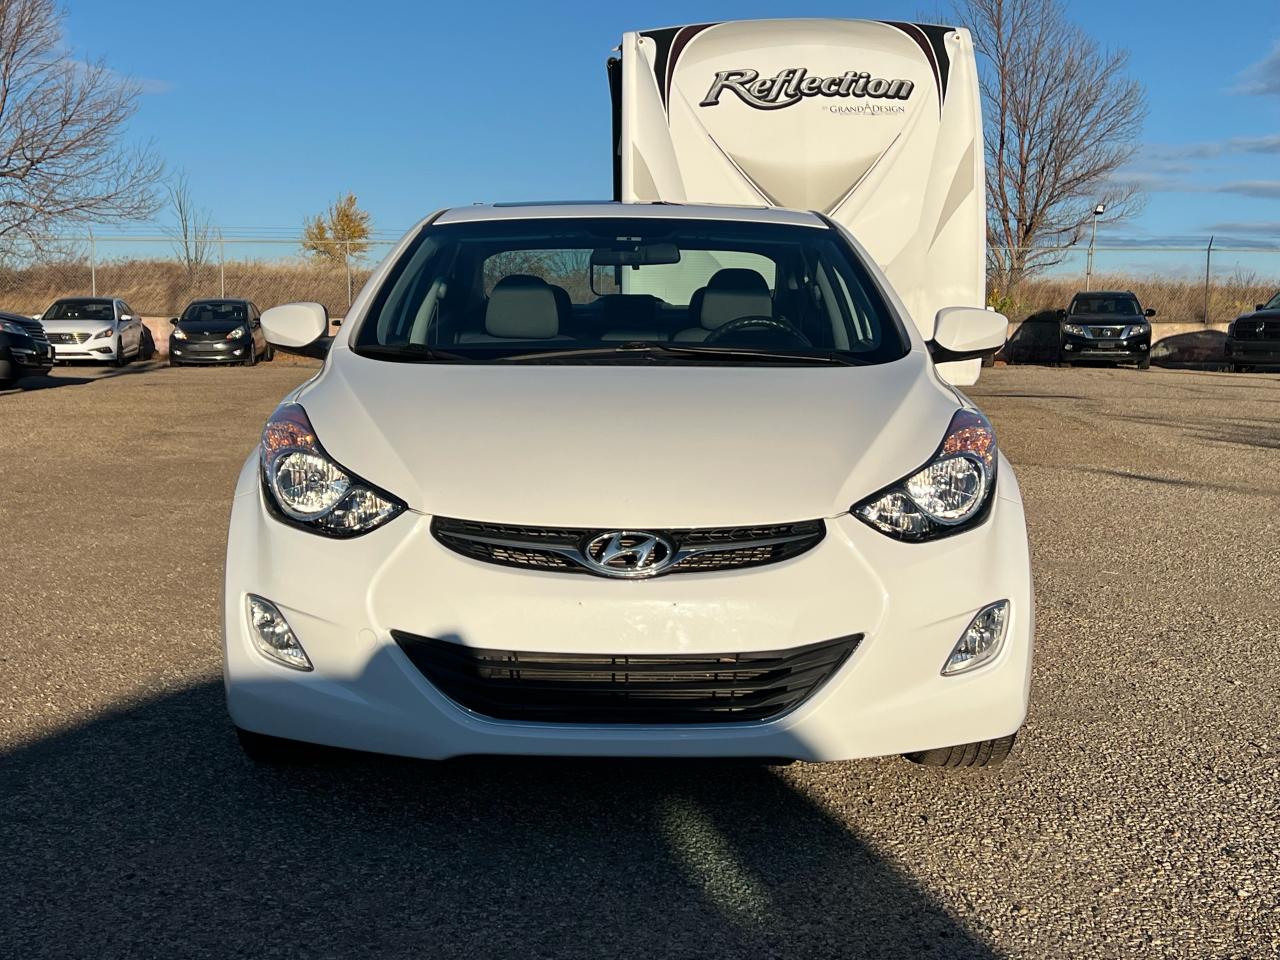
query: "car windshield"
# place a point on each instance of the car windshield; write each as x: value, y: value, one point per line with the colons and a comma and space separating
x: 215, y: 312
x: 81, y: 310
x: 1273, y: 303
x: 1119, y: 306
x: 629, y: 290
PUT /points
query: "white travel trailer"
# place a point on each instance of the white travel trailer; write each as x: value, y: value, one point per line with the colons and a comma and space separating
x: 876, y: 125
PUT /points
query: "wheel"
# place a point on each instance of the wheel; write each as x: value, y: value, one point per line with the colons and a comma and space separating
x: 121, y: 359
x: 1235, y: 368
x: 1144, y: 363
x: 253, y: 356
x: 985, y: 753
x: 269, y: 354
x: 261, y: 748
x: 1063, y: 362
x: 173, y: 362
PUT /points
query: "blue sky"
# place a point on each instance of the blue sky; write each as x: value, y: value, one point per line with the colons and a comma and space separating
x: 272, y: 108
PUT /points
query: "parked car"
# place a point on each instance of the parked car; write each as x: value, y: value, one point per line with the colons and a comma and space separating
x: 704, y: 493
x: 1255, y: 337
x: 218, y: 331
x: 105, y: 329
x: 24, y: 349
x: 1105, y: 325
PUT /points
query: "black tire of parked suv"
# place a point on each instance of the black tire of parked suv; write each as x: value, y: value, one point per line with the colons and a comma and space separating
x: 121, y: 359
x: 261, y: 748
x: 985, y: 753
x: 1144, y: 363
x: 173, y: 362
x: 1063, y: 362
x: 1235, y: 368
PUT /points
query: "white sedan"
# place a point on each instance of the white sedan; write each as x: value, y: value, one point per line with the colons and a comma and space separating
x: 105, y: 329
x: 629, y: 480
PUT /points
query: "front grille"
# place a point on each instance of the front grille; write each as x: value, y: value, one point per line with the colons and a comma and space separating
x: 1256, y: 330
x: 34, y: 329
x: 565, y: 549
x: 1105, y: 332
x: 631, y: 688
x: 68, y: 337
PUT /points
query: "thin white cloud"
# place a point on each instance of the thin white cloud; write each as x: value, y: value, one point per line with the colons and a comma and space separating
x: 1265, y: 228
x: 1263, y: 189
x: 1263, y: 78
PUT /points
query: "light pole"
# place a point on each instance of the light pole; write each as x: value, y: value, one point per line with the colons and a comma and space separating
x: 1098, y: 211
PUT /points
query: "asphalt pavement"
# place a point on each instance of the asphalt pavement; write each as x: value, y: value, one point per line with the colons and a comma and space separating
x: 1137, y: 817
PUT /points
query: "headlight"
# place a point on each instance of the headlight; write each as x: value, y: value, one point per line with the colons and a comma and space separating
x: 8, y: 326
x: 1074, y: 329
x: 238, y: 332
x: 179, y: 333
x: 950, y: 492
x: 1137, y: 329
x: 103, y: 334
x: 308, y: 489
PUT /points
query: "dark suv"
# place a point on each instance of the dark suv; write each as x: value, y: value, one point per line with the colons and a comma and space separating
x: 1255, y: 337
x: 24, y: 349
x: 1107, y: 325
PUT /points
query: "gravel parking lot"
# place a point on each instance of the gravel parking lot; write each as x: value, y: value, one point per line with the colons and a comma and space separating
x: 1138, y: 816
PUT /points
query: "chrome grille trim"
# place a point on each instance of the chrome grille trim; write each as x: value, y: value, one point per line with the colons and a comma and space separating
x: 562, y: 549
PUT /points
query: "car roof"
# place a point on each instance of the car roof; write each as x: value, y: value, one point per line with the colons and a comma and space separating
x: 86, y: 300
x: 218, y: 300
x: 644, y: 211
x: 1126, y: 294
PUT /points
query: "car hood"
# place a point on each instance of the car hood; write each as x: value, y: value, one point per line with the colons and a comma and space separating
x: 75, y: 326
x: 668, y: 445
x: 1104, y: 319
x: 211, y: 326
x: 1261, y: 315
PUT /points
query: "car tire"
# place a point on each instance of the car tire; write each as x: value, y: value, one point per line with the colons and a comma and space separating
x: 1234, y: 368
x: 1144, y: 363
x: 269, y: 354
x: 253, y: 356
x: 984, y: 753
x: 120, y: 358
x: 173, y: 362
x: 261, y: 748
x: 1063, y: 363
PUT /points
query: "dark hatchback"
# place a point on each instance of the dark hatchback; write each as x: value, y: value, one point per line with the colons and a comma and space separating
x: 1107, y: 325
x: 1255, y: 337
x: 24, y: 348
x: 218, y: 331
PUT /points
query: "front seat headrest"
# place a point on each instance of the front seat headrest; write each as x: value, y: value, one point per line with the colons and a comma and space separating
x: 522, y: 307
x: 732, y: 293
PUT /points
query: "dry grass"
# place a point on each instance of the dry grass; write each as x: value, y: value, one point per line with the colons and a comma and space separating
x: 163, y: 287
x: 158, y: 287
x: 1174, y: 300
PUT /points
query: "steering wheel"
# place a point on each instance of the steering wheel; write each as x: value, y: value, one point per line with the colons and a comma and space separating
x: 763, y: 324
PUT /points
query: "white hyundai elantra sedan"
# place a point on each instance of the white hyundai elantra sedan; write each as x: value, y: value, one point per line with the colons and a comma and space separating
x: 629, y: 480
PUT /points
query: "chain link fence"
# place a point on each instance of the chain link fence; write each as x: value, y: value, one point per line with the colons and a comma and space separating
x: 158, y: 276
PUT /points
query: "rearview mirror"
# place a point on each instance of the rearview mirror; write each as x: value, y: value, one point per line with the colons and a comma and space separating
x: 298, y: 328
x: 967, y: 333
x: 1149, y: 312
x: 641, y: 255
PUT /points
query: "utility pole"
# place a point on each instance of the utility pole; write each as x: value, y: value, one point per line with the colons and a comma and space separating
x: 93, y: 265
x: 1208, y: 262
x: 1098, y: 211
x: 347, y: 257
x: 222, y: 265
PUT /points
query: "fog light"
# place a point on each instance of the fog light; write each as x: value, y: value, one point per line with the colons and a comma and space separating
x: 237, y: 352
x: 1067, y: 346
x: 273, y: 636
x: 980, y: 641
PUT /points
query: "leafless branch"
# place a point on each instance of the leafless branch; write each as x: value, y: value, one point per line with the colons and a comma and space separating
x: 191, y: 232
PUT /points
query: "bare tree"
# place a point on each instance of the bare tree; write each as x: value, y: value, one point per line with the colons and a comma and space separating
x: 191, y: 232
x: 1061, y: 119
x: 62, y: 156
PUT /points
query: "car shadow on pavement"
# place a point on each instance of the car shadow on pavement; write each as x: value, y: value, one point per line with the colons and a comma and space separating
x: 147, y: 831
x: 64, y: 378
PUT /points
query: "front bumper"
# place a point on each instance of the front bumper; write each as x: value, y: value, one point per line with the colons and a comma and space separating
x: 104, y: 349
x: 210, y: 351
x: 27, y: 359
x: 1252, y: 351
x: 343, y: 599
x: 1118, y: 349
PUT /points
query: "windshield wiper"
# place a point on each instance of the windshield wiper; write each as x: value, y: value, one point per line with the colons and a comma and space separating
x: 654, y: 347
x: 409, y: 353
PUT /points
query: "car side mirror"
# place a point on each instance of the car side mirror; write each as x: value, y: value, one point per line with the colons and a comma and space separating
x: 1261, y: 306
x: 967, y: 333
x: 298, y: 328
x: 256, y: 323
x: 126, y: 317
x: 174, y: 321
x: 1060, y: 314
x: 1149, y: 312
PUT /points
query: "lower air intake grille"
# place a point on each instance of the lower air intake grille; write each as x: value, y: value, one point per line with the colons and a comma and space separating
x: 632, y: 688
